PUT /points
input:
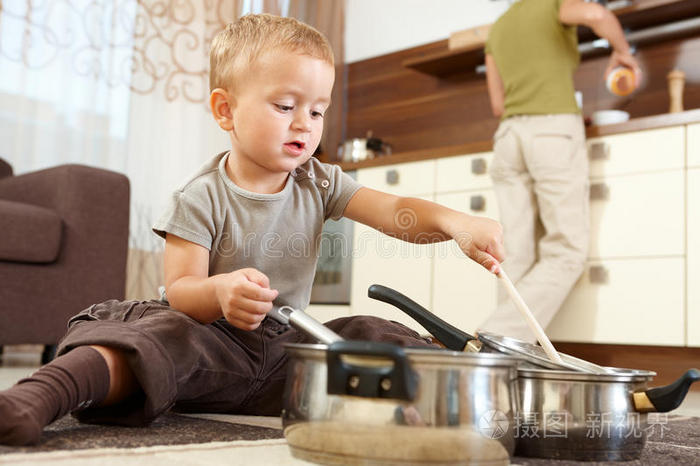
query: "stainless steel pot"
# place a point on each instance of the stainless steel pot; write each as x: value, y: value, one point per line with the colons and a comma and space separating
x: 376, y: 403
x: 590, y: 417
x: 593, y: 413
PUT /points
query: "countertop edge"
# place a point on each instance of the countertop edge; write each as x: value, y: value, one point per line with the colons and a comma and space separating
x: 636, y: 124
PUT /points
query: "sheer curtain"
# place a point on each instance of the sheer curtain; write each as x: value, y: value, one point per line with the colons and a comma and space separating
x: 123, y: 85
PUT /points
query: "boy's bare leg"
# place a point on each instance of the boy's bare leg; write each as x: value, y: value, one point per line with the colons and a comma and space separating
x: 122, y: 382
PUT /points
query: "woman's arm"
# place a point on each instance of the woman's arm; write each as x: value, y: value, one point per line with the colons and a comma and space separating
x: 604, y: 24
x: 494, y: 84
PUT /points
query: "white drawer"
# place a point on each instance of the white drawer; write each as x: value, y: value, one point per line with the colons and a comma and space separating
x: 403, y: 266
x: 628, y: 301
x: 694, y: 257
x: 637, y: 152
x: 693, y: 146
x: 463, y: 172
x: 638, y: 215
x: 464, y: 293
x: 404, y: 179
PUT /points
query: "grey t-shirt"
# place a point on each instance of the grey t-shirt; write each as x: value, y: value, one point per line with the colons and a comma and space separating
x: 277, y: 234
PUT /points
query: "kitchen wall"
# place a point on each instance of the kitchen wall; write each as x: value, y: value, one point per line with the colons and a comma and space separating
x: 375, y: 28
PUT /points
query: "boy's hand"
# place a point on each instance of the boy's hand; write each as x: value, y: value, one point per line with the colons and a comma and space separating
x: 245, y: 297
x: 481, y: 239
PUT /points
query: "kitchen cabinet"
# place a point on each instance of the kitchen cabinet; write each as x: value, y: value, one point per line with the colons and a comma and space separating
x: 463, y: 172
x: 632, y: 290
x: 638, y: 215
x: 637, y: 152
x: 378, y: 258
x: 644, y: 257
x: 693, y: 265
x: 326, y: 312
x: 693, y: 146
x: 464, y: 293
x: 625, y: 301
x: 405, y: 179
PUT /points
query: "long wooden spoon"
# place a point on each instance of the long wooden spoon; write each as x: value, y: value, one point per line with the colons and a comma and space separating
x: 530, y: 318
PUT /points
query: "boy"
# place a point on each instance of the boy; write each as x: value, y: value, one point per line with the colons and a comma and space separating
x: 230, y: 233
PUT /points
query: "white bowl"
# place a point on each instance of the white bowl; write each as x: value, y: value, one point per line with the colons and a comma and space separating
x: 609, y: 117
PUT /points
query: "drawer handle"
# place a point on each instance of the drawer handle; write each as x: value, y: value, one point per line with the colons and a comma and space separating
x: 477, y: 203
x: 392, y: 177
x: 478, y: 166
x: 599, y: 275
x: 600, y: 192
x: 599, y: 151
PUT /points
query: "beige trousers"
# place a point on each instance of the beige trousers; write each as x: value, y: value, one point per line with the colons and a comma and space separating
x: 540, y: 176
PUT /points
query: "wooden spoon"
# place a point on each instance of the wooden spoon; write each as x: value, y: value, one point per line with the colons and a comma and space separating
x: 530, y: 318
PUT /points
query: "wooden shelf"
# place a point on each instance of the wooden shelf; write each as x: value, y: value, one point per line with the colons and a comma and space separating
x: 447, y: 62
x: 637, y: 15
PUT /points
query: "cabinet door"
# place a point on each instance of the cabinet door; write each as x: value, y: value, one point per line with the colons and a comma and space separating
x: 404, y: 179
x: 405, y: 267
x: 464, y: 293
x: 626, y: 301
x: 638, y: 215
x: 637, y: 152
x: 694, y: 257
x: 693, y: 146
x: 463, y: 172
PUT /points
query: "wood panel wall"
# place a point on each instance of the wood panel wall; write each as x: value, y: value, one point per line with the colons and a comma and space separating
x: 413, y: 111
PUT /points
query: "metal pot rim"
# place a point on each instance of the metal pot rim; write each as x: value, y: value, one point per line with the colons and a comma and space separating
x: 419, y: 356
x: 614, y: 374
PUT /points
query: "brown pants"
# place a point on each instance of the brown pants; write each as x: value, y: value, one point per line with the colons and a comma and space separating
x: 191, y: 367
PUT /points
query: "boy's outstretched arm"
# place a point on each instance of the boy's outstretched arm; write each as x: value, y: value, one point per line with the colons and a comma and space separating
x: 243, y: 296
x: 420, y: 221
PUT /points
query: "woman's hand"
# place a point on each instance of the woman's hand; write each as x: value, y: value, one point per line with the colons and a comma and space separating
x: 627, y: 60
x: 245, y: 297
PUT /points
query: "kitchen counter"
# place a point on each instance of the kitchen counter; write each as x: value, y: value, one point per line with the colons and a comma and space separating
x: 636, y: 124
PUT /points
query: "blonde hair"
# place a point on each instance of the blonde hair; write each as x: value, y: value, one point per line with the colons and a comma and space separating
x: 235, y: 48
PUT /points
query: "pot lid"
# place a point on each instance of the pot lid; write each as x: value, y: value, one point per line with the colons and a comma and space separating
x: 536, y: 355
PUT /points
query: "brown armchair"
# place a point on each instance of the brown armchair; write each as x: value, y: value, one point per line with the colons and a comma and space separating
x: 63, y: 246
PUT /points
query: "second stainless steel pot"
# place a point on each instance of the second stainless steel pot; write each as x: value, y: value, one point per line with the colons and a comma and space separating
x: 376, y: 403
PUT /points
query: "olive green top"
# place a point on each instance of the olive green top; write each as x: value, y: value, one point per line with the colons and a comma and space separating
x: 536, y: 56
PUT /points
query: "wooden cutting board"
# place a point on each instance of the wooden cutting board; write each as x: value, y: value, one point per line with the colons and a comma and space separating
x: 469, y: 39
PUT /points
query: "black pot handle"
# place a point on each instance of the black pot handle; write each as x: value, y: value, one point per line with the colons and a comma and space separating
x: 666, y: 398
x: 449, y: 335
x: 397, y: 381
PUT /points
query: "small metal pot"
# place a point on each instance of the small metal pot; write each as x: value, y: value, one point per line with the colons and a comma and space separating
x: 590, y: 417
